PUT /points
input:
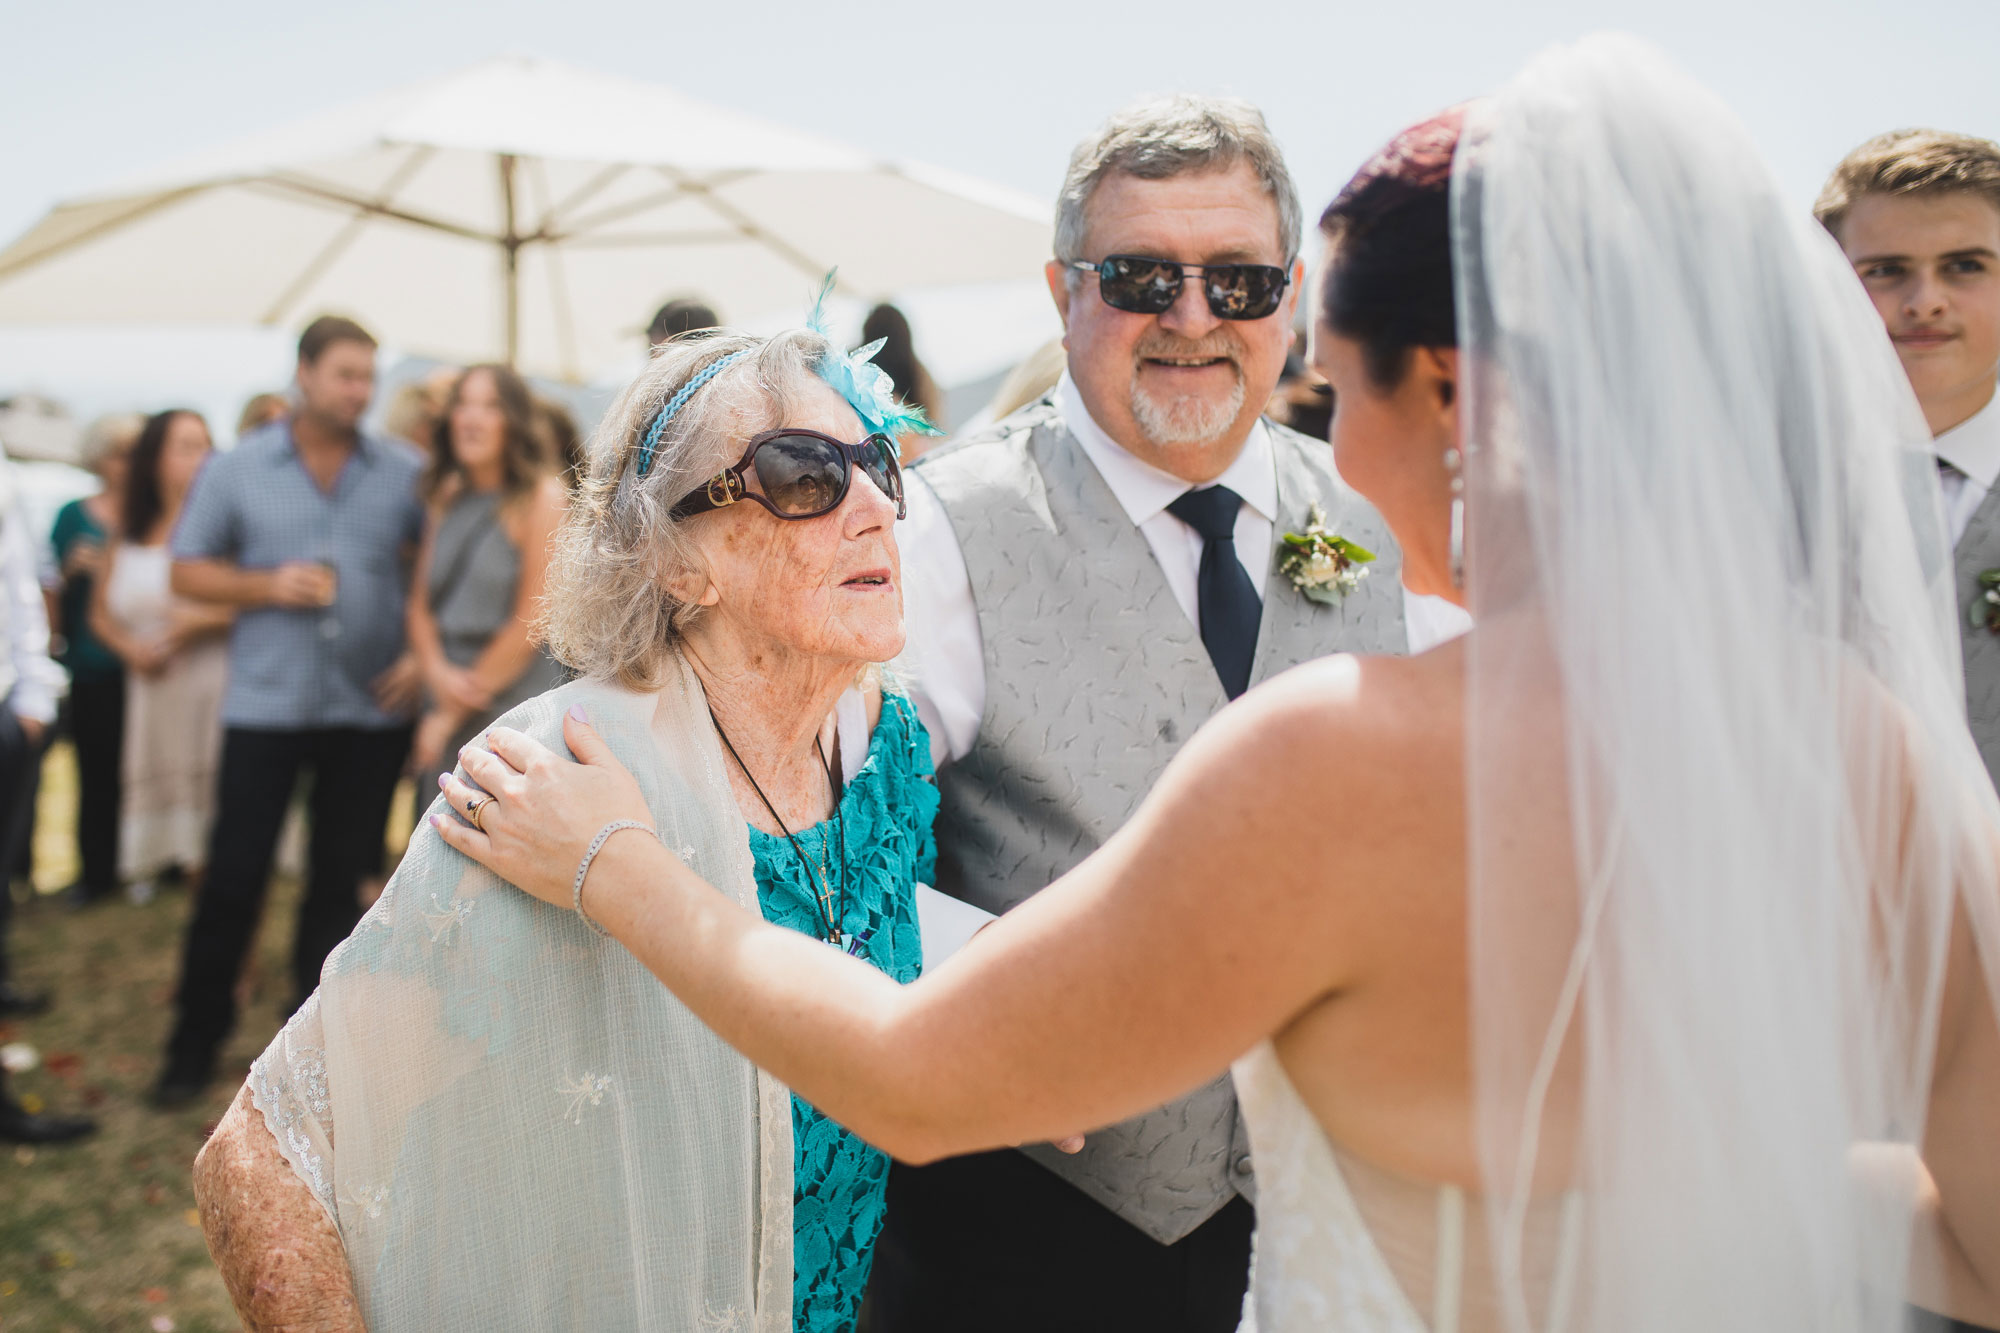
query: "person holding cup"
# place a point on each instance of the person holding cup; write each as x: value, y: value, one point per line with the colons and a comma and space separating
x: 307, y: 528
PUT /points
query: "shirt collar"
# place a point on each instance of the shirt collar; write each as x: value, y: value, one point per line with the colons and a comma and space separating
x: 1143, y: 490
x: 1973, y: 445
x: 364, y: 445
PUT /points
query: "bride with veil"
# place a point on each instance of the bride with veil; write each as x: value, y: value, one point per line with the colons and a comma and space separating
x: 1628, y: 964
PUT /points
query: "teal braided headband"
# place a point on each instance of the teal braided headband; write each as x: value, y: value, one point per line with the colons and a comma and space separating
x: 866, y: 387
x: 708, y: 372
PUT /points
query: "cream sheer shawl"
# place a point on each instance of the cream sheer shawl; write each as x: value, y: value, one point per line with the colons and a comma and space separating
x: 509, y: 1120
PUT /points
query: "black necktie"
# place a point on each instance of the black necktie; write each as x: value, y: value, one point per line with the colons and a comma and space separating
x: 1230, y: 608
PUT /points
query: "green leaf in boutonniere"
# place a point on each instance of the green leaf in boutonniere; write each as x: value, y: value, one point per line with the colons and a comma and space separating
x: 1324, y: 567
x: 1985, y: 611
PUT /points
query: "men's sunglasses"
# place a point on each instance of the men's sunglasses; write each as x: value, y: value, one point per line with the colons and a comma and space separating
x: 800, y: 474
x: 1151, y: 286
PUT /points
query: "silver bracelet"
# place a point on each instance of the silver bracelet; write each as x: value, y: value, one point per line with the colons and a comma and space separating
x: 583, y: 867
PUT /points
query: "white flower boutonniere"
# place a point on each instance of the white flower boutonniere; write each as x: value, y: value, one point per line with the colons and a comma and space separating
x: 1321, y: 565
x: 1985, y: 610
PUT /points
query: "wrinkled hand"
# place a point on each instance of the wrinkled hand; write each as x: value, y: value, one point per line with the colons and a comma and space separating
x: 398, y: 688
x: 546, y: 808
x: 302, y: 585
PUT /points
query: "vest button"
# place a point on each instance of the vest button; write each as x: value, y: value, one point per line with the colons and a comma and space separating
x: 1242, y: 1164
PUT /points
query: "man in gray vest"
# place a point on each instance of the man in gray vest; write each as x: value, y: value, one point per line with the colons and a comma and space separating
x: 1087, y: 582
x: 1918, y: 214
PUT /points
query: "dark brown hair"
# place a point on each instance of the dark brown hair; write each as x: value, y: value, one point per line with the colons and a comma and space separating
x: 521, y: 457
x: 1910, y: 162
x: 1388, y: 280
x: 327, y: 330
x: 143, y: 502
x: 898, y: 358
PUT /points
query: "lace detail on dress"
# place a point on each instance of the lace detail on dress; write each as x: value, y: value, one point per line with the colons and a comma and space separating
x: 1317, y: 1266
x: 288, y: 1085
x: 839, y: 1182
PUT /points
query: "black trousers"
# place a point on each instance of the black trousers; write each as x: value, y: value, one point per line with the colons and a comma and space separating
x: 354, y: 775
x: 97, y: 725
x: 997, y: 1242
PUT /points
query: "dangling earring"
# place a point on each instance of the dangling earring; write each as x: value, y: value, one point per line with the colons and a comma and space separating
x: 1453, y: 463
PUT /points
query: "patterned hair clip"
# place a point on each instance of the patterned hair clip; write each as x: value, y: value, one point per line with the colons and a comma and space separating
x: 651, y: 443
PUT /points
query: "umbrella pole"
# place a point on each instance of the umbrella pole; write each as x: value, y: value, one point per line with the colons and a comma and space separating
x: 510, y: 251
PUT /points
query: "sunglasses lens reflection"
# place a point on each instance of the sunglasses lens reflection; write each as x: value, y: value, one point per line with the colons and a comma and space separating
x: 800, y: 474
x: 878, y: 463
x: 1142, y: 286
x: 1151, y: 286
x: 1244, y: 291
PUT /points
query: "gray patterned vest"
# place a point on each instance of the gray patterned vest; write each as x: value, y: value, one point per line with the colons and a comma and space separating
x: 1979, y: 549
x: 1095, y: 678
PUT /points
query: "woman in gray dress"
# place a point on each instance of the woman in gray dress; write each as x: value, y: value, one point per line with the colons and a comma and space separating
x: 494, y: 504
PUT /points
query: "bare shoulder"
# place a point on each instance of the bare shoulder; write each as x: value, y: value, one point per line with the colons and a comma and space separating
x: 1355, y: 762
x: 1372, y: 724
x: 276, y: 1248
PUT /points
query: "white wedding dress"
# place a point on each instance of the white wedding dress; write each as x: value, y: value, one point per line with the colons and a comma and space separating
x: 1319, y: 1265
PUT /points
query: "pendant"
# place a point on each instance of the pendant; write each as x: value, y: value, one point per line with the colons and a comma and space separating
x: 838, y: 941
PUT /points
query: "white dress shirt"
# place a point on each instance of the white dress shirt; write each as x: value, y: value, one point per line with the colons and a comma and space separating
x: 1972, y: 447
x: 27, y: 674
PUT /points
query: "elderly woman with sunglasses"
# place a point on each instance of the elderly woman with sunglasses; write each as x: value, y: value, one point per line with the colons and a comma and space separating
x: 530, y: 1131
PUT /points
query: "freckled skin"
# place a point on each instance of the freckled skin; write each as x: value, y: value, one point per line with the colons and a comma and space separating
x: 278, y: 1253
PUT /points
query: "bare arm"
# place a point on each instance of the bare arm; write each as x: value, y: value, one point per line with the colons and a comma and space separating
x: 279, y: 1255
x: 1956, y: 1266
x: 1212, y: 918
x: 299, y: 584
x: 196, y: 620
x: 419, y: 623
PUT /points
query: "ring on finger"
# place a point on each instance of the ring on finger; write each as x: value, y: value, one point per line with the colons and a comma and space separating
x: 475, y: 810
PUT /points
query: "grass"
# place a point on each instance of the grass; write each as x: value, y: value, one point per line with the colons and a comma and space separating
x: 100, y: 1236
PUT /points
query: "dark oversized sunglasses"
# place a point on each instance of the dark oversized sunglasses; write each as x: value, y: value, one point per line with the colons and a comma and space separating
x: 800, y: 474
x: 1151, y: 286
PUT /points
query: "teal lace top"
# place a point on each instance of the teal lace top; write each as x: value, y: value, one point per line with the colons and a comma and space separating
x: 839, y: 1182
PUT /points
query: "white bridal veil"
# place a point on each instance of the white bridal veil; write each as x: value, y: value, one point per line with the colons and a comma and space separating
x: 1723, y: 800
x: 511, y: 1122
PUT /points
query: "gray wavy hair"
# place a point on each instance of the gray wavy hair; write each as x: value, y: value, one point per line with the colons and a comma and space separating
x: 607, y: 613
x: 1162, y: 137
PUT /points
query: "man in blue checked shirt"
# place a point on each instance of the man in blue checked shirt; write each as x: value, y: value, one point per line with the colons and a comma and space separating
x: 307, y: 527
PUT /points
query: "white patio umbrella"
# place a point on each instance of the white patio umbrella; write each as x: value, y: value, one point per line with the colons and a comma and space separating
x: 520, y: 210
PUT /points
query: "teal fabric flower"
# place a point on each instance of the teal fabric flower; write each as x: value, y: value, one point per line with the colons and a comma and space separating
x: 866, y: 386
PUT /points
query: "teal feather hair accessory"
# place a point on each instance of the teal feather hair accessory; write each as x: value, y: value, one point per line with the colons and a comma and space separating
x: 866, y: 386
x: 674, y: 404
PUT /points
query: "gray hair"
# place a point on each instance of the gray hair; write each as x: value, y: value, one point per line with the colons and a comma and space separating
x: 608, y: 613
x: 1163, y: 137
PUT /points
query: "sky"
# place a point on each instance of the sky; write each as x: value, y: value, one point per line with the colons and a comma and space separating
x: 93, y: 92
